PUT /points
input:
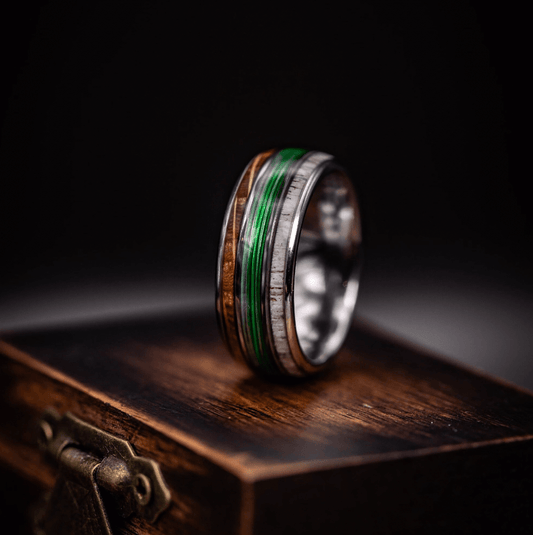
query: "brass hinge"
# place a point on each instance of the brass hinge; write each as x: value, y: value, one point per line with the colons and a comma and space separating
x: 95, y: 466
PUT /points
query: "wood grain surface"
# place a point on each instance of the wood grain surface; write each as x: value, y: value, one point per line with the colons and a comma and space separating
x: 388, y: 436
x: 226, y: 294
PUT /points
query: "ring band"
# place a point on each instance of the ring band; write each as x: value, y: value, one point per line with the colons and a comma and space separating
x: 289, y: 262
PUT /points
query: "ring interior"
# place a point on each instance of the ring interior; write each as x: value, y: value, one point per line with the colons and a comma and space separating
x: 326, y: 271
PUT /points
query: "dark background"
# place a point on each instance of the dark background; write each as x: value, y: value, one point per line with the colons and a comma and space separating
x: 127, y: 123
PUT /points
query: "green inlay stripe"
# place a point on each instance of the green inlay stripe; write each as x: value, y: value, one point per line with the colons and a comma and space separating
x: 253, y: 262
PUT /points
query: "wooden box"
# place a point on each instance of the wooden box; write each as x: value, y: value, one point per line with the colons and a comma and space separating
x: 390, y: 439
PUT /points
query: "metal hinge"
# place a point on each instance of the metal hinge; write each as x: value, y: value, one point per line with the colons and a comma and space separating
x: 95, y: 466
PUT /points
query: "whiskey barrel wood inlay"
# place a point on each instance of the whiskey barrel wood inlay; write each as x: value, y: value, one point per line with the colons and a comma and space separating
x: 231, y: 230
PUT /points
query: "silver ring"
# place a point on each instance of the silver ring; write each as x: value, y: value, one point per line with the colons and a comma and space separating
x: 289, y: 262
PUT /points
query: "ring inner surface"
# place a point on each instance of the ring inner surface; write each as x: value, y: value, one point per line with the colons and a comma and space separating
x: 325, y: 284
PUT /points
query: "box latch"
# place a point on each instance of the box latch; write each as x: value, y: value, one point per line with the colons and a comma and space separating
x: 95, y: 468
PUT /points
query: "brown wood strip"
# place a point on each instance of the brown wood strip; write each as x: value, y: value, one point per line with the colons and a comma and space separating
x: 226, y: 296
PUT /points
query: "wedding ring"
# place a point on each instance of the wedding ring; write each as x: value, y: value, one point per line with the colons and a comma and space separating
x: 289, y: 262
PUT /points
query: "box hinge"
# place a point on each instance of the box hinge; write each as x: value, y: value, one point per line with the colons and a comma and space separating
x: 95, y: 468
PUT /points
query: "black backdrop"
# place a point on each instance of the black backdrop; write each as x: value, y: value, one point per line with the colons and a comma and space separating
x: 126, y: 124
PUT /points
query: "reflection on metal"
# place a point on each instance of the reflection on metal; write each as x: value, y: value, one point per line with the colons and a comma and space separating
x: 327, y: 268
x: 95, y: 466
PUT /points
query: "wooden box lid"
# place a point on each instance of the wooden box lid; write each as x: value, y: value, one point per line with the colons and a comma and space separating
x: 389, y: 439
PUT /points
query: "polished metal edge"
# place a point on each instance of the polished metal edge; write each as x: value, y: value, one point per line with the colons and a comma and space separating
x: 290, y: 265
x: 310, y: 366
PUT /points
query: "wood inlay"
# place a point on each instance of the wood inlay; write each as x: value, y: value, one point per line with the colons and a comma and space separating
x: 226, y: 296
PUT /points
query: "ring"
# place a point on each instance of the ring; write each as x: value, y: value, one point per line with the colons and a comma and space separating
x: 289, y: 262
